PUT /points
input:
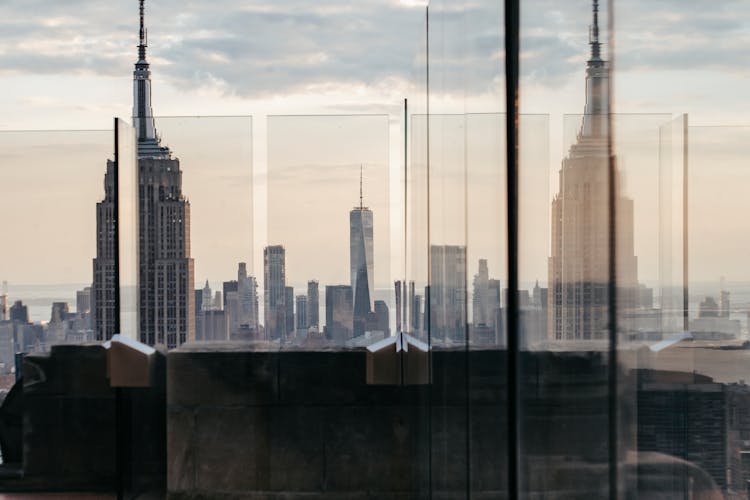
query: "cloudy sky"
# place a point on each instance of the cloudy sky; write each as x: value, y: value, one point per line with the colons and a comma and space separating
x: 67, y: 65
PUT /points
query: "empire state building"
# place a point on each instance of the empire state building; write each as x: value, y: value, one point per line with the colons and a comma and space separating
x: 166, y: 302
x: 579, y: 261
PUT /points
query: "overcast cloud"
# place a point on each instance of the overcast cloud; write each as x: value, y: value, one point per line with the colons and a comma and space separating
x: 259, y: 48
x: 363, y: 55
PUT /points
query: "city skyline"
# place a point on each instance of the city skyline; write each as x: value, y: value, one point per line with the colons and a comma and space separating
x: 177, y: 99
x: 570, y: 296
x: 382, y: 285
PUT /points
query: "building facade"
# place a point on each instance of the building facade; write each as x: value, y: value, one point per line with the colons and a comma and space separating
x: 447, y: 294
x: 247, y: 292
x: 339, y: 313
x: 301, y: 312
x: 274, y: 291
x: 103, y: 289
x: 313, y: 304
x: 166, y: 269
x: 361, y: 261
x: 166, y: 301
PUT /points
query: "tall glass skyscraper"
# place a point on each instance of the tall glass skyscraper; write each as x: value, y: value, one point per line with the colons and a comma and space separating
x: 361, y: 260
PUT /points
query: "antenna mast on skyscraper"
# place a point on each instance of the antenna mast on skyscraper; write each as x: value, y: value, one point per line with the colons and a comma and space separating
x: 361, y: 198
x: 594, y: 33
x: 143, y: 35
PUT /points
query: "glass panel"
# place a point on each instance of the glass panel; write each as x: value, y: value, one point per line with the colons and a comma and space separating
x: 534, y: 232
x: 691, y: 387
x: 447, y: 304
x: 215, y: 157
x: 413, y: 288
x: 486, y: 228
x: 51, y: 182
x: 128, y: 234
x: 691, y: 392
x: 564, y: 211
x: 648, y: 214
x: 672, y: 225
x: 714, y: 364
x: 718, y: 271
x: 328, y: 204
x: 415, y: 284
x: 464, y: 191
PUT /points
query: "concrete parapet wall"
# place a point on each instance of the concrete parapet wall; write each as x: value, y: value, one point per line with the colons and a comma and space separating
x: 244, y: 423
x: 68, y: 420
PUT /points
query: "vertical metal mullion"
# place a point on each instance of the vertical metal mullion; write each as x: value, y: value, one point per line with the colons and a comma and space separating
x: 512, y: 47
x: 406, y: 216
x: 613, y: 406
x: 116, y: 215
x: 427, y: 323
x: 465, y: 284
x: 685, y: 276
x: 119, y: 397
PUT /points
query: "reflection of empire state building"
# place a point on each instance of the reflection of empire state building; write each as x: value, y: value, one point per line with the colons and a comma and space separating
x: 166, y: 301
x: 579, y: 262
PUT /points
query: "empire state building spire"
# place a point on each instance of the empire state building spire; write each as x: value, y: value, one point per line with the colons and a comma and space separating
x: 597, y: 73
x: 594, y: 36
x: 143, y: 41
x: 143, y: 114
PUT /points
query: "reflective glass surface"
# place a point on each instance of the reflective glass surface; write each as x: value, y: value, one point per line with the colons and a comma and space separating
x: 51, y: 183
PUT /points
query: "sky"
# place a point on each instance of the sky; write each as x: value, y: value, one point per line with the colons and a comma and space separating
x: 68, y: 66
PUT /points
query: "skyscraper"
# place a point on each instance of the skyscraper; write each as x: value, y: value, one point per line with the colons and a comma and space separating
x: 579, y: 261
x: 198, y: 301
x: 274, y: 291
x: 301, y: 312
x: 382, y: 318
x: 167, y: 311
x: 83, y: 301
x: 485, y: 300
x: 361, y: 260
x: 447, y: 293
x: 207, y: 299
x: 19, y: 312
x: 247, y: 291
x: 415, y: 324
x: 229, y: 286
x: 103, y: 289
x: 313, y: 304
x: 4, y: 302
x: 288, y: 311
x: 399, y: 301
x: 339, y: 309
x: 166, y: 301
x: 232, y: 312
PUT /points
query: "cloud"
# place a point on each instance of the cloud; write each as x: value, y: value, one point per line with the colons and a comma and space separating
x: 258, y: 48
